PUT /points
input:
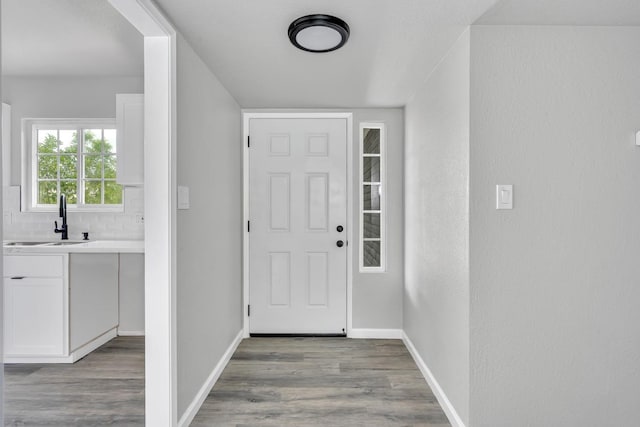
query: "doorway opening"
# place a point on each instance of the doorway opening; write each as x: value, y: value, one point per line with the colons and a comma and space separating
x: 159, y: 220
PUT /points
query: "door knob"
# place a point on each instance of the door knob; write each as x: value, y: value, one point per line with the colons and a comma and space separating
x: 339, y: 228
x: 340, y: 243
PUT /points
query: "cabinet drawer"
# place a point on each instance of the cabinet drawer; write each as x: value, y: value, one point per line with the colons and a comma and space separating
x: 33, y: 265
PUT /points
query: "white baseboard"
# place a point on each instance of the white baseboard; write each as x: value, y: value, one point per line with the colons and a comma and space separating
x: 446, y: 405
x: 122, y: 333
x: 387, y: 334
x: 81, y: 352
x: 73, y: 357
x: 202, y: 394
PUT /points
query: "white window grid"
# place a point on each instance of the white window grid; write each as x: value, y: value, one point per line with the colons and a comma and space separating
x: 78, y: 125
x: 382, y: 189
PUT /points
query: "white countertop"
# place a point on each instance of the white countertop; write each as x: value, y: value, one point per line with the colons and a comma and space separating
x: 80, y: 246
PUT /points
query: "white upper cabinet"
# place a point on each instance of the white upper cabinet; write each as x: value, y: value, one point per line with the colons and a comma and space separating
x: 130, y: 125
x: 6, y: 144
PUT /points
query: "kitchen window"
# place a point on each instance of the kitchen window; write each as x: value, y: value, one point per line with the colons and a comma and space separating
x: 372, y: 198
x: 77, y: 158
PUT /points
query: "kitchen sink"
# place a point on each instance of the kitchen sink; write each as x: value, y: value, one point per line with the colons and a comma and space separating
x: 26, y: 243
x: 59, y: 243
x: 65, y: 243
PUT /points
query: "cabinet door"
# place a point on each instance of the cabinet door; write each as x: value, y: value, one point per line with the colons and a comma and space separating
x: 131, y: 282
x: 34, y: 317
x: 93, y: 291
x: 130, y: 127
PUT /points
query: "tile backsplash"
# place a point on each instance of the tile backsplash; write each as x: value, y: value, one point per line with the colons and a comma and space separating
x: 100, y: 225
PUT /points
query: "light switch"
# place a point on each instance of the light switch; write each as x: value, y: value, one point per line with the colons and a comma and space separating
x: 504, y: 196
x: 638, y: 138
x: 183, y: 197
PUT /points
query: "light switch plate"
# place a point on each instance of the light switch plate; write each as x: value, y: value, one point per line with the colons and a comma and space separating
x: 638, y: 138
x: 504, y: 196
x: 183, y: 197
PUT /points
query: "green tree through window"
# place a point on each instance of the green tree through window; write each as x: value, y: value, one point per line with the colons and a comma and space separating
x: 85, y: 172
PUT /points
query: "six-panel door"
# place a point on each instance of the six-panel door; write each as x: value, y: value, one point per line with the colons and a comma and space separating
x: 298, y: 200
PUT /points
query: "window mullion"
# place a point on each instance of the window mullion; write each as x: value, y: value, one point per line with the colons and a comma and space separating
x: 102, y: 159
x: 80, y: 167
x: 374, y: 243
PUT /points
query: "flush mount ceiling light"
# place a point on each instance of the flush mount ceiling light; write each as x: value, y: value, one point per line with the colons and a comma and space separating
x: 318, y: 33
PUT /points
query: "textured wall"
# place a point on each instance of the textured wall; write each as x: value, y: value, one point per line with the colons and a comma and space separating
x: 377, y: 297
x: 209, y: 234
x: 555, y: 325
x: 436, y: 296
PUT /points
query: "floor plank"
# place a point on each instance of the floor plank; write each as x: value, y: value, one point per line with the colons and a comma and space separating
x: 104, y: 388
x: 321, y: 382
x: 268, y: 382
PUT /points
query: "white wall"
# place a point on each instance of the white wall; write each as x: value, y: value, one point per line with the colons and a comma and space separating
x: 1, y: 266
x: 436, y: 298
x: 60, y: 97
x: 555, y: 336
x: 209, y: 234
x: 65, y: 97
x: 377, y: 297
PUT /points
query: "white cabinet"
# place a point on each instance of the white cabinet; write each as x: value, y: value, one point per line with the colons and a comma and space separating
x: 131, y: 281
x: 58, y: 307
x: 35, y: 317
x: 93, y: 297
x: 35, y: 306
x: 130, y: 128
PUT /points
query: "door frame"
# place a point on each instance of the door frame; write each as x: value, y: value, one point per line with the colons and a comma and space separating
x: 161, y: 385
x: 298, y: 114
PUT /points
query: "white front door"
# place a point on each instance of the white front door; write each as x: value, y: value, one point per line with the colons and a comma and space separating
x: 298, y: 214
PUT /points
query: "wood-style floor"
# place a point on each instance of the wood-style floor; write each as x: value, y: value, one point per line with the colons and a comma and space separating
x: 321, y: 382
x: 104, y: 388
x: 269, y: 382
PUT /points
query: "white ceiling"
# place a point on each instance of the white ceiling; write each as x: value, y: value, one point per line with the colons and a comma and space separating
x: 394, y: 44
x: 68, y: 37
x: 393, y: 47
x: 563, y: 12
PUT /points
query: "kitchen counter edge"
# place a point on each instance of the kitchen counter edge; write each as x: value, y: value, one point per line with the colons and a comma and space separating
x: 94, y: 246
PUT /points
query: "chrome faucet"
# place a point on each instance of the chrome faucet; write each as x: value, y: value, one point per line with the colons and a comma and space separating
x: 63, y: 215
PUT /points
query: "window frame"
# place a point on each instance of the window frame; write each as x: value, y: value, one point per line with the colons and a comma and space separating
x: 30, y: 162
x: 383, y: 197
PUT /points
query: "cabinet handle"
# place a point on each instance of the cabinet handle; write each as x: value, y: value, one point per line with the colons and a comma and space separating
x: 17, y: 278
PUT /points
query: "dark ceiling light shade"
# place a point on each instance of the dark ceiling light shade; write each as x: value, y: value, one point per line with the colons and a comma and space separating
x: 318, y: 33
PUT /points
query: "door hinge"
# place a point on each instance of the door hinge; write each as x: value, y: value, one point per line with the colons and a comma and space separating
x: 248, y: 226
x: 248, y: 141
x: 249, y: 311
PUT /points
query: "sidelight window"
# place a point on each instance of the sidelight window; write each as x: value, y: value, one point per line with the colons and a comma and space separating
x: 372, y: 197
